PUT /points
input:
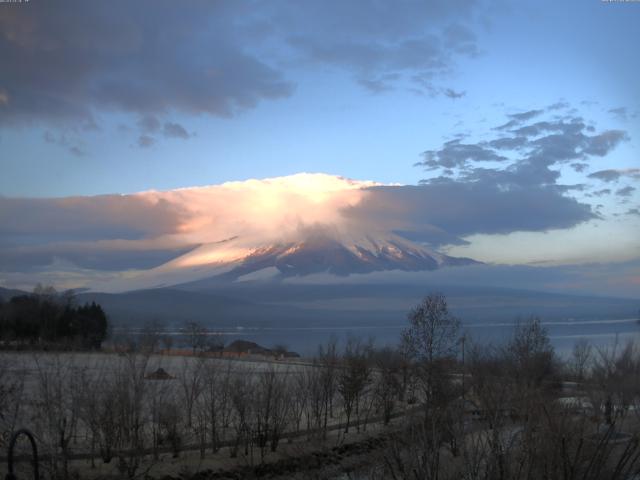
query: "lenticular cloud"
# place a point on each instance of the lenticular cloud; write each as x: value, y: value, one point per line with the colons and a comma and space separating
x: 76, y: 241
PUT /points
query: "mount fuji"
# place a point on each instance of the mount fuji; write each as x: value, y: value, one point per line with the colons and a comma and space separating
x: 236, y: 259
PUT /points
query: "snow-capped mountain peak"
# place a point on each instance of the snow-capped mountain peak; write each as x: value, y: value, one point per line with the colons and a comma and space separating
x: 238, y: 259
x: 318, y: 253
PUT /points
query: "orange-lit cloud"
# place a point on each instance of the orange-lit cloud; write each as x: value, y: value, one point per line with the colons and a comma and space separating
x: 253, y: 213
x: 173, y: 234
x: 272, y: 208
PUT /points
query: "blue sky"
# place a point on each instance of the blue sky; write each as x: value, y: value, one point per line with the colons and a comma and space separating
x: 527, y: 56
x: 122, y: 98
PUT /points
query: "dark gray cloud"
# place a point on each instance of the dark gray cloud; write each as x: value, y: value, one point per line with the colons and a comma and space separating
x: 600, y: 193
x: 380, y: 84
x: 612, y: 175
x: 443, y: 212
x: 541, y: 146
x: 91, y: 255
x: 29, y: 220
x: 625, y: 191
x: 149, y: 124
x: 107, y: 232
x: 623, y: 113
x: 606, y: 175
x: 602, y: 144
x: 69, y: 59
x: 146, y: 141
x: 620, y: 112
x: 77, y: 151
x: 579, y: 166
x: 427, y: 233
x: 633, y: 211
x: 559, y: 106
x: 473, y: 195
x: 560, y: 127
x: 453, y: 94
x: 382, y: 44
x: 516, y: 119
x: 455, y: 154
x: 508, y: 143
x: 578, y: 187
x: 175, y: 130
x: 67, y: 62
x: 525, y: 116
x: 64, y: 141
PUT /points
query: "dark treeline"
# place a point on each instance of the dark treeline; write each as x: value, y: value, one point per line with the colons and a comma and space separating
x: 47, y: 319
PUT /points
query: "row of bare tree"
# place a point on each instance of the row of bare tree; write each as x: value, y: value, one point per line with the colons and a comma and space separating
x: 116, y: 409
x: 514, y: 411
x: 465, y: 410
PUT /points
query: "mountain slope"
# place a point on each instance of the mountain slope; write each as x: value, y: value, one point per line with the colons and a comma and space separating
x: 238, y: 259
x: 282, y: 304
x: 323, y: 254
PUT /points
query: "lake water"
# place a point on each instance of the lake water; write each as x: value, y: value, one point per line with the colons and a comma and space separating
x: 563, y: 334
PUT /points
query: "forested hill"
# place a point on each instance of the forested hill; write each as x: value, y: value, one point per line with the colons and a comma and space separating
x: 47, y: 319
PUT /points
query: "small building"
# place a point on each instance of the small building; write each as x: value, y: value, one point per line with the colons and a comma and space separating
x: 159, y: 374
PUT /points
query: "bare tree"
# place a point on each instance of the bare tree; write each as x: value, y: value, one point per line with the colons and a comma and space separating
x: 431, y: 343
x: 88, y: 384
x: 11, y: 396
x: 218, y: 394
x: 388, y: 383
x: 190, y: 379
x: 300, y: 399
x: 433, y: 333
x: 325, y: 382
x: 313, y: 384
x: 196, y: 335
x: 270, y: 410
x: 353, y: 377
x: 129, y: 397
x: 614, y: 381
x: 580, y: 358
x: 242, y: 403
x: 169, y: 420
x: 106, y: 417
x: 57, y: 406
x: 151, y: 335
x: 431, y: 339
x: 161, y: 395
x: 531, y: 354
